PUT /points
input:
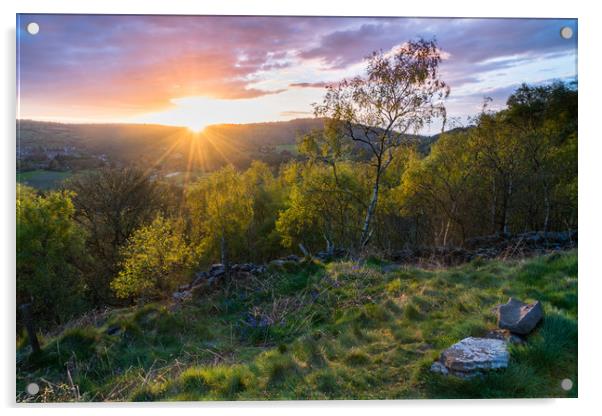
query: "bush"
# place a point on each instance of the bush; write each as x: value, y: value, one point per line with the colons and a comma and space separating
x: 49, y: 247
x: 156, y: 260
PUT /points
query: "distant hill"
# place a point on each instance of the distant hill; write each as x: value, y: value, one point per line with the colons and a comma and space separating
x: 74, y: 147
x: 164, y: 147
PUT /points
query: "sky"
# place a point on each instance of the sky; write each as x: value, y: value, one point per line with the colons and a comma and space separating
x: 199, y: 70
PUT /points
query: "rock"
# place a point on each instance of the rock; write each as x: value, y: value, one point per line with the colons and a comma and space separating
x: 439, y: 368
x: 284, y: 264
x: 292, y: 257
x: 201, y: 275
x: 181, y: 296
x: 199, y: 278
x: 217, y: 270
x: 278, y: 263
x: 241, y: 275
x: 518, y: 317
x: 475, y: 354
x: 516, y: 339
x: 245, y: 267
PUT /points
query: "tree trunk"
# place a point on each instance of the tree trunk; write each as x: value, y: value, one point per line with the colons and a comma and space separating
x: 224, y: 255
x: 329, y: 246
x: 30, y: 327
x: 305, y: 251
x: 446, y: 232
x: 506, y: 207
x: 369, y: 214
x: 493, y: 206
x: 546, y: 198
x: 449, y: 220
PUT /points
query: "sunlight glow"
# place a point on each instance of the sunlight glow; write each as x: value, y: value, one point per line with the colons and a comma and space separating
x: 196, y: 113
x: 196, y: 127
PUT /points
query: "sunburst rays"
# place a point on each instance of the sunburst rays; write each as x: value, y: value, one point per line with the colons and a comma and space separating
x: 204, y: 151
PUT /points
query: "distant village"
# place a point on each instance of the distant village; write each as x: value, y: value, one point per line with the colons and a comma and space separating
x: 57, y: 158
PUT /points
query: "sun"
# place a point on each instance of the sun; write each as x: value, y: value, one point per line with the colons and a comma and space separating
x: 196, y: 126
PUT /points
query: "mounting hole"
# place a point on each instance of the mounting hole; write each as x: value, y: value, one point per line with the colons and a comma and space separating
x: 33, y: 388
x: 566, y: 384
x: 566, y: 32
x: 33, y: 28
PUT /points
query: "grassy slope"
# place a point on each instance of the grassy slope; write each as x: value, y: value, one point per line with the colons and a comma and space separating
x: 337, y: 331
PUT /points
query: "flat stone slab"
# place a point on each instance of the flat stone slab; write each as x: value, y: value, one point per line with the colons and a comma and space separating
x: 518, y: 317
x: 475, y: 354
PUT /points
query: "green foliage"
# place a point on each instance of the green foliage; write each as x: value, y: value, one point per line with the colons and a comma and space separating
x: 310, y: 330
x: 110, y: 205
x: 155, y: 261
x: 220, y: 211
x: 267, y: 193
x: 399, y: 94
x: 511, y: 171
x: 49, y: 247
x: 324, y: 205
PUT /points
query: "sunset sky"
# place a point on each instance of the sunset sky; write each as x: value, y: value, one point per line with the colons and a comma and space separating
x: 199, y: 70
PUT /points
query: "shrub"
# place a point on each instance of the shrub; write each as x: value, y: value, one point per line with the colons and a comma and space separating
x: 156, y: 259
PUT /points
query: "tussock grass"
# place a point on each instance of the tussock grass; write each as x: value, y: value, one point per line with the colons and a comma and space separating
x: 319, y: 331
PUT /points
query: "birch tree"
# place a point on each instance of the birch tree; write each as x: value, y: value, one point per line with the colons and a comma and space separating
x: 399, y: 94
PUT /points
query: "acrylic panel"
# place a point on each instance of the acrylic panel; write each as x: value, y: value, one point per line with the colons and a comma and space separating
x: 295, y: 208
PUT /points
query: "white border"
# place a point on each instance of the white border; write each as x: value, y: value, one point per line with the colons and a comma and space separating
x: 590, y: 155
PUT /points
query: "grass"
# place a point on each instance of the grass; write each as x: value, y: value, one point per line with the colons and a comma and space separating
x: 319, y: 331
x: 47, y: 179
x: 42, y: 179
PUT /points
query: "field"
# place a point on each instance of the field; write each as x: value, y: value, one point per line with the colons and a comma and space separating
x: 317, y: 331
x: 42, y: 179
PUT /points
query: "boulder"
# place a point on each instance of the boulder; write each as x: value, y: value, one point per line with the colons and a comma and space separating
x: 439, y: 368
x: 473, y: 355
x: 518, y: 317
